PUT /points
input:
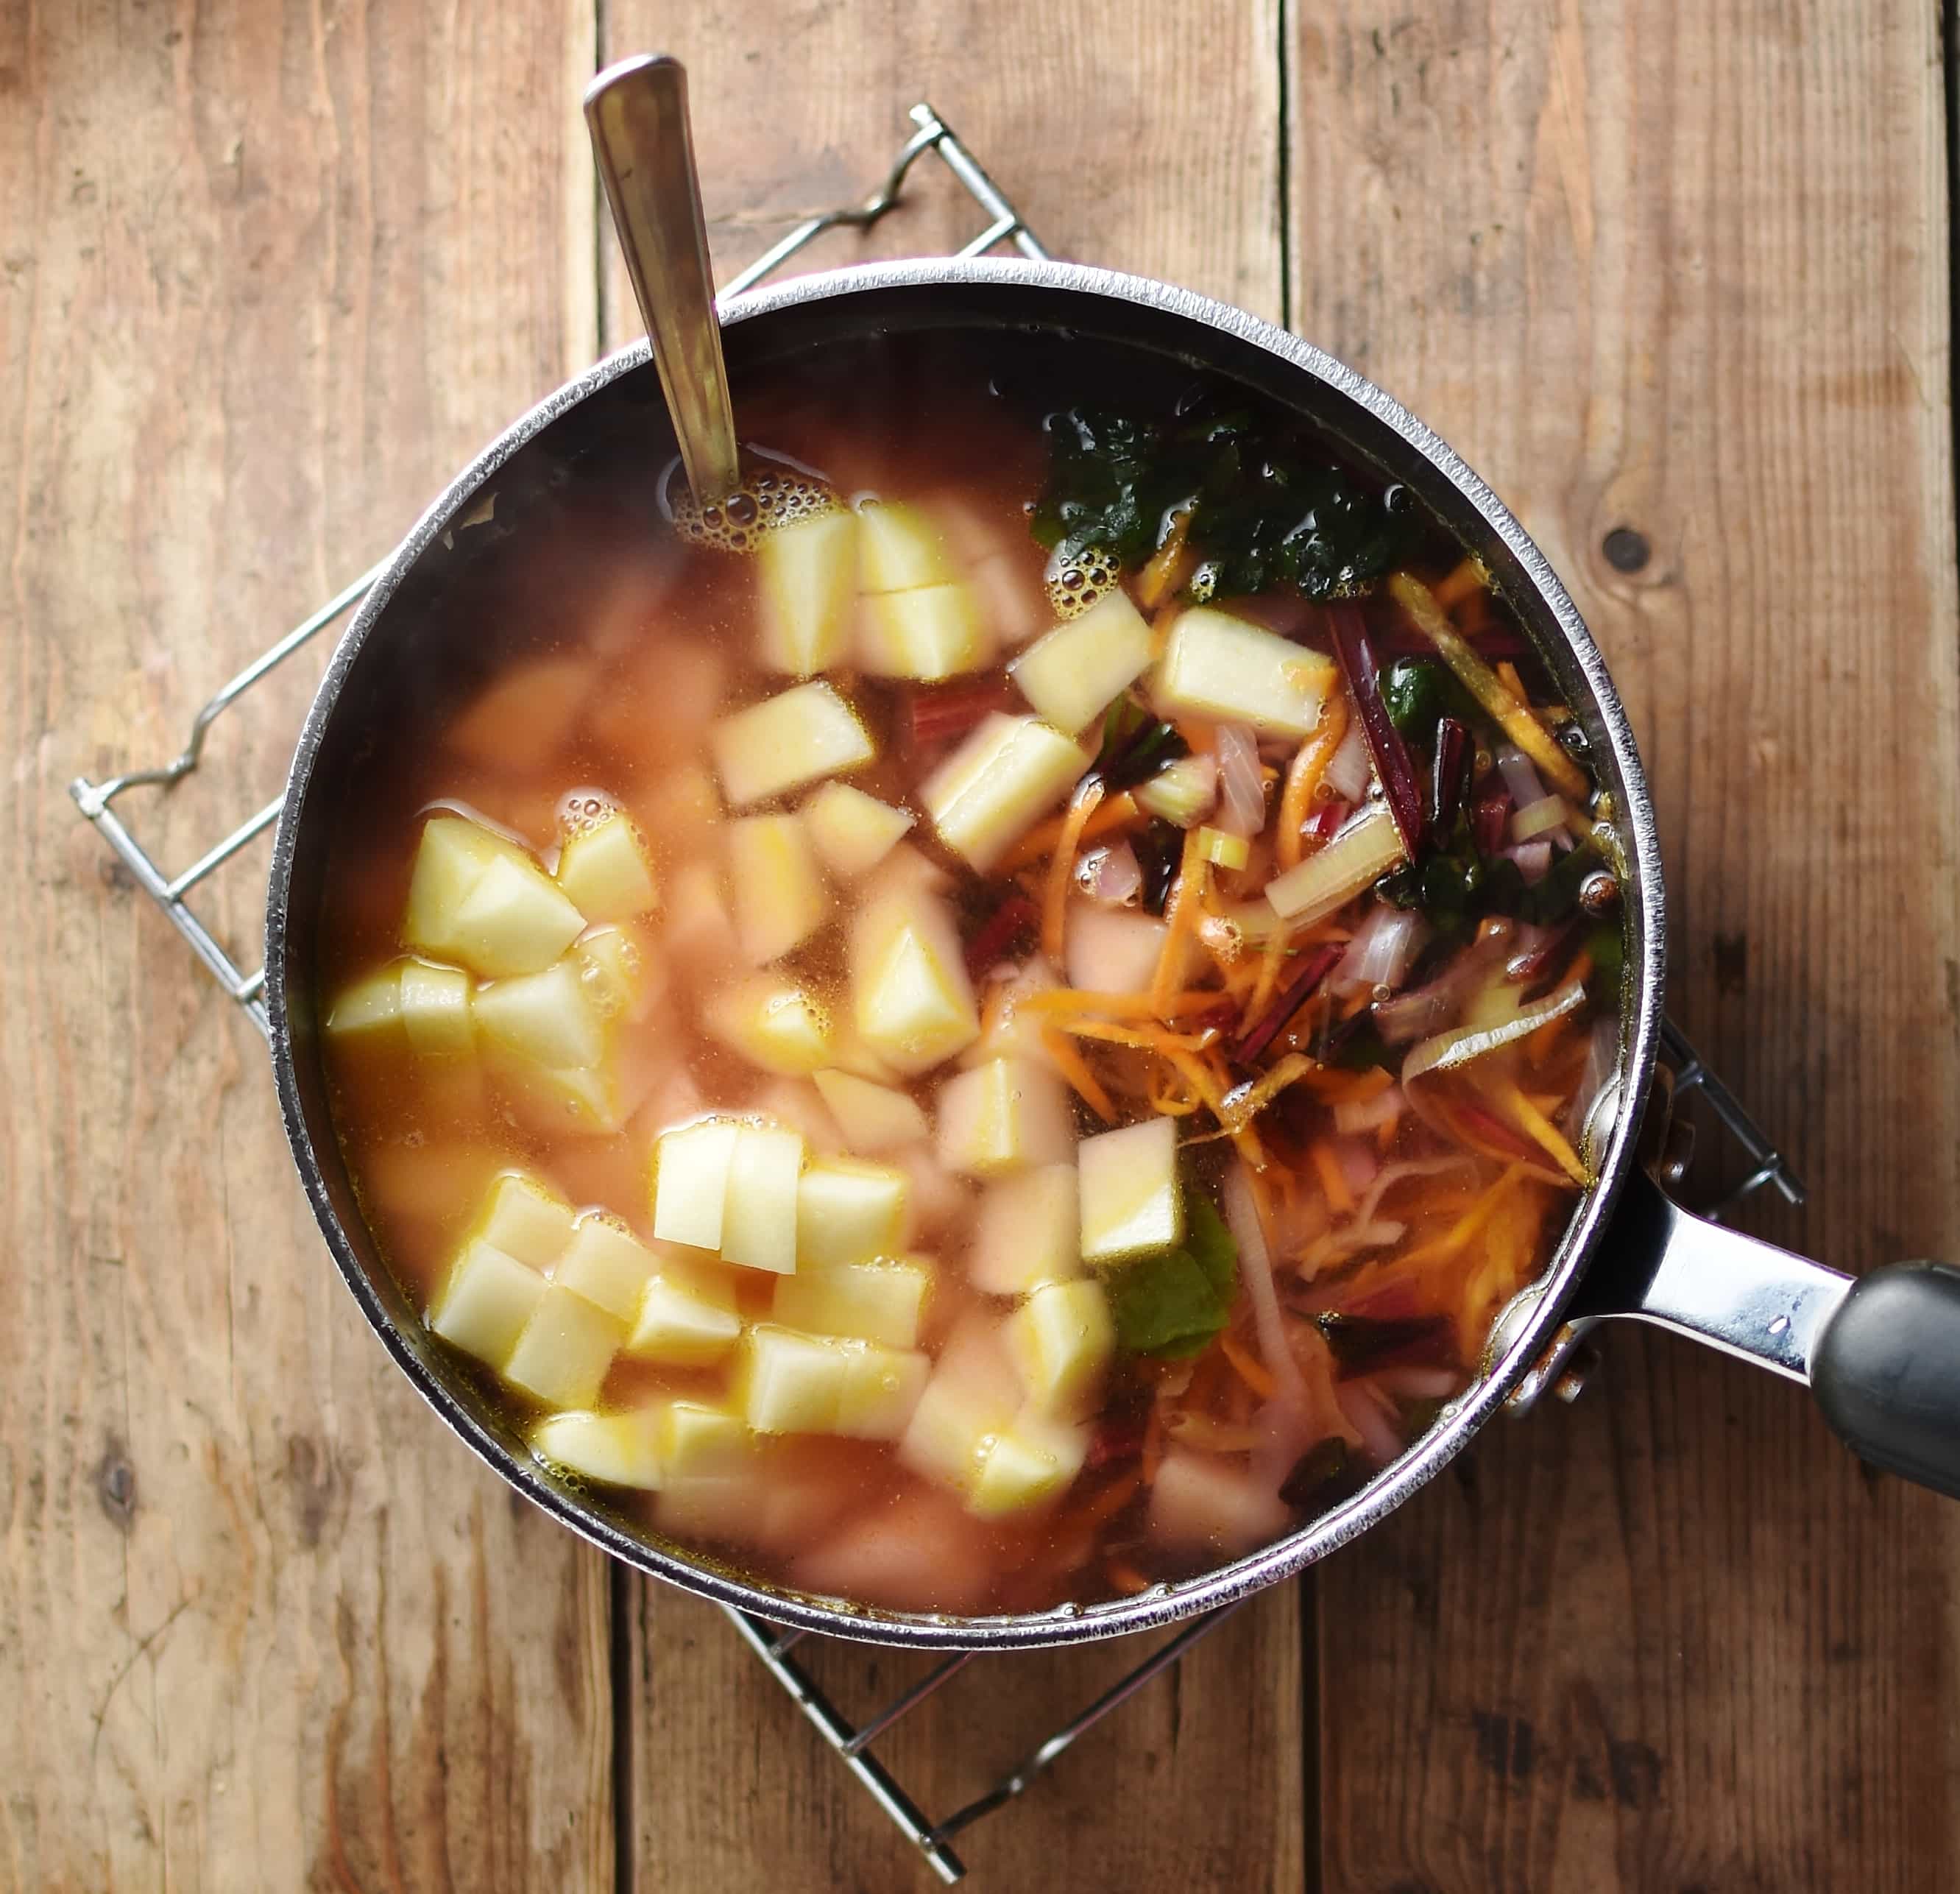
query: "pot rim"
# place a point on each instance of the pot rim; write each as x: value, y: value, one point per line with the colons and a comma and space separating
x: 1525, y: 1329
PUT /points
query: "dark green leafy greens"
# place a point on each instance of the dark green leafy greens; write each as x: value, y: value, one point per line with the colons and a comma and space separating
x: 1456, y: 887
x: 1176, y: 1302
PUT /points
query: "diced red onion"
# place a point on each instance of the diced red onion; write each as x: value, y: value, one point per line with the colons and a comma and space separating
x: 1349, y: 770
x: 1418, y: 1383
x: 1356, y: 1159
x: 1256, y: 1271
x: 1357, y: 1114
x: 1543, y: 817
x: 1242, y: 792
x: 1432, y: 1007
x: 1385, y: 946
x: 1534, y: 860
x: 1328, y: 819
x: 1110, y: 875
x: 1520, y: 778
x: 1367, y: 1412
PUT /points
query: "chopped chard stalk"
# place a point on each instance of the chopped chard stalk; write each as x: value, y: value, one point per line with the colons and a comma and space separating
x: 1385, y: 746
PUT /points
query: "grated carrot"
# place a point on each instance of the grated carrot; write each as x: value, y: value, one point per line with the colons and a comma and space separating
x: 1147, y: 1039
x: 1170, y: 566
x: 1061, y: 868
x: 1246, y: 1102
x: 1544, y: 1133
x: 1304, y: 776
x: 1125, y: 1577
x: 1117, y: 812
x: 1120, y: 1006
x: 1170, y: 1103
x: 1538, y: 1046
x: 1187, y: 900
x: 1468, y: 577
x: 1073, y: 1068
x: 1111, y: 1500
x: 1252, y: 1373
x: 1269, y: 978
x: 1467, y: 1225
x: 1340, y: 1199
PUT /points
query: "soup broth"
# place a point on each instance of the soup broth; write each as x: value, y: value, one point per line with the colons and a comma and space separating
x: 991, y: 1022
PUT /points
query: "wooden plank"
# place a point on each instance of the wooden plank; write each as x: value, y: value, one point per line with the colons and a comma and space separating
x: 1146, y: 144
x: 1681, y: 271
x: 269, y: 274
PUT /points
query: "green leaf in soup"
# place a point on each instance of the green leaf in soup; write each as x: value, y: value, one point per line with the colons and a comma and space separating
x: 1209, y: 1244
x: 1176, y: 1302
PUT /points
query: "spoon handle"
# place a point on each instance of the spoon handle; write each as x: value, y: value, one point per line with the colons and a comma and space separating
x: 637, y: 112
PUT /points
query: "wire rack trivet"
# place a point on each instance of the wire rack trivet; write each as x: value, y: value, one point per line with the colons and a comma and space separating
x: 772, y: 1643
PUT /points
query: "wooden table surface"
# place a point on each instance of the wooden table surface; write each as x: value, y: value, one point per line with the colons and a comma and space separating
x: 270, y: 272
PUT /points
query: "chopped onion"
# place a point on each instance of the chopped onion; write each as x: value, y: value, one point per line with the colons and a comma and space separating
x: 1418, y: 1383
x: 1110, y: 875
x: 1385, y: 946
x: 1451, y: 1051
x: 1349, y: 770
x: 1429, y: 1009
x: 1603, y: 1062
x: 1364, y: 851
x: 1183, y: 792
x: 1367, y: 1413
x: 1256, y: 1271
x: 1539, y: 818
x: 1355, y: 1115
x: 1242, y: 790
x: 1355, y: 1236
x: 1534, y: 861
x: 1520, y: 778
x: 1357, y: 1163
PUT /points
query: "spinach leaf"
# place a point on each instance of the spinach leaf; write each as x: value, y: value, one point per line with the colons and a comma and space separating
x: 1175, y: 1302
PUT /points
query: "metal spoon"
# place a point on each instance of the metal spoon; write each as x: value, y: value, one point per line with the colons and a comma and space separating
x: 636, y: 113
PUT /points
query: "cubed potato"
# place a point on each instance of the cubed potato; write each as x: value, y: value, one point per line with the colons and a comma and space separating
x: 371, y: 1008
x: 780, y: 898
x: 1026, y: 1467
x: 519, y: 720
x: 1028, y: 1232
x: 477, y: 898
x: 699, y: 934
x: 614, y: 1449
x: 933, y: 632
x: 1075, y: 672
x: 900, y: 547
x: 809, y: 574
x: 1202, y: 1503
x: 1008, y: 774
x: 565, y: 1350
x: 806, y: 733
x: 606, y: 1263
x: 436, y: 1009
x: 881, y: 1392
x: 604, y: 870
x: 759, y: 1219
x: 873, y: 1118
x: 939, y: 1203
x: 790, y: 1382
x: 547, y: 1019
x: 796, y: 1102
x: 622, y: 976
x: 774, y: 1022
x: 1061, y: 1339
x: 687, y: 1316
x: 1010, y: 1114
x: 486, y: 1301
x: 848, y: 1210
x: 912, y: 1001
x: 526, y: 1219
x: 1009, y: 1028
x: 878, y: 1301
x: 852, y: 832
x: 578, y: 1101
x: 922, y: 1552
x: 1113, y: 949
x: 1132, y: 1201
x: 691, y: 1167
x: 1219, y: 666
x: 974, y: 1392
x: 697, y: 1441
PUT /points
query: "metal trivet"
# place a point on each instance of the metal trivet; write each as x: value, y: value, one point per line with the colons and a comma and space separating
x: 773, y: 1644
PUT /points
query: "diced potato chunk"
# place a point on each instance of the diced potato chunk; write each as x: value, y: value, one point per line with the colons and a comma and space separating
x: 972, y: 1395
x: 881, y: 1391
x: 809, y: 574
x: 486, y: 1302
x: 780, y: 900
x: 1008, y: 774
x: 606, y: 1263
x: 1075, y: 673
x: 852, y: 831
x: 899, y: 547
x: 880, y: 1301
x: 1009, y: 1028
x: 1029, y: 1465
x: 700, y: 1442
x: 758, y: 1224
x: 621, y: 975
x: 1010, y: 1114
x: 874, y: 1118
x: 1132, y: 1201
x: 1218, y: 666
x: 687, y: 1316
x: 372, y: 1007
x: 932, y: 632
x: 699, y: 935
x: 583, y: 1101
x: 1202, y: 1502
x: 912, y: 1001
x: 1112, y: 949
x: 774, y: 1022
x: 691, y: 1167
x: 547, y: 1019
x: 615, y: 1450
x: 1028, y: 1232
x: 790, y: 1383
x: 519, y: 718
x: 848, y: 1210
x: 435, y: 1010
x: 1062, y: 1339
x: 604, y: 870
x: 785, y: 741
x: 526, y: 1220
x: 562, y: 1356
x: 477, y: 898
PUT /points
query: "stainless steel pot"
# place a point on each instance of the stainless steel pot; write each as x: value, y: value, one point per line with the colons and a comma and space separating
x: 1883, y: 1355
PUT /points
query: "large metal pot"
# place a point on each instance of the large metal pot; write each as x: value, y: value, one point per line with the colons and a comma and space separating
x: 1883, y: 1355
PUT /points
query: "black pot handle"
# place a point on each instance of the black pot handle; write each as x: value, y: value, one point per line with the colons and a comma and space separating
x: 1881, y: 1353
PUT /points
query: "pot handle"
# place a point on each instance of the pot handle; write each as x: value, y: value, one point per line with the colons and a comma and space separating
x: 1880, y: 1352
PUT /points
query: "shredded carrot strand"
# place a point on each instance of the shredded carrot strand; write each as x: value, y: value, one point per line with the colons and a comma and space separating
x: 1252, y: 1373
x: 1146, y: 1038
x: 1073, y: 1068
x: 1061, y: 869
x: 1340, y: 1199
x: 1117, y: 812
x: 1170, y: 1104
x: 1125, y: 1578
x: 1466, y: 579
x: 1170, y: 566
x: 1467, y: 1225
x: 1186, y: 901
x: 1111, y: 1500
x: 1304, y: 775
x: 1544, y: 1133
x: 1120, y: 1006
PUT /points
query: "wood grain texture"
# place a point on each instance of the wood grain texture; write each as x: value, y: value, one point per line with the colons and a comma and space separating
x: 1121, y: 146
x: 270, y: 273
x: 1683, y: 270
